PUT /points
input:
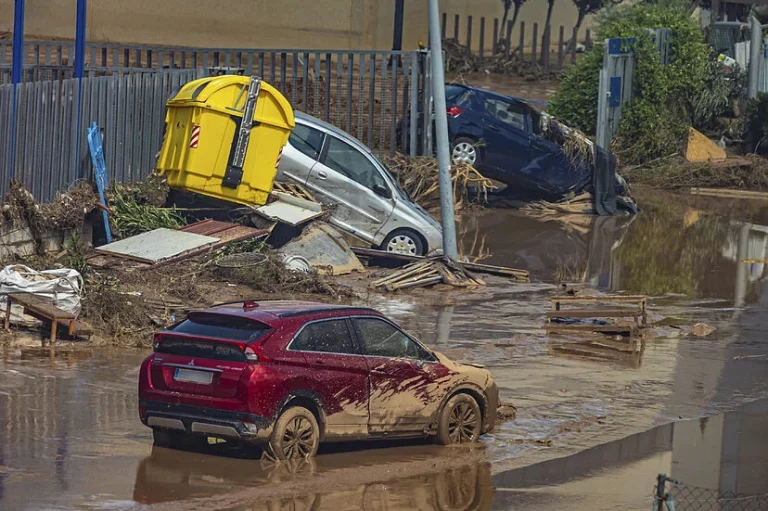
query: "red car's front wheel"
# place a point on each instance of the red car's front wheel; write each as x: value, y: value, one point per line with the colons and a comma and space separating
x: 461, y: 421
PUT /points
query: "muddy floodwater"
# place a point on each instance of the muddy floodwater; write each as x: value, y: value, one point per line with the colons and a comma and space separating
x: 592, y: 430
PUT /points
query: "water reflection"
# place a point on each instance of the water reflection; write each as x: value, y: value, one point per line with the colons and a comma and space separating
x: 721, y: 455
x: 168, y: 475
x: 675, y: 246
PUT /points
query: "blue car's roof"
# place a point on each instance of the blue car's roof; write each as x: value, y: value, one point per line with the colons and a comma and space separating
x: 497, y: 95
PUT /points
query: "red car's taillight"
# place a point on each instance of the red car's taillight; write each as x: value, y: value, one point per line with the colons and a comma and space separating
x: 455, y: 111
x: 251, y: 354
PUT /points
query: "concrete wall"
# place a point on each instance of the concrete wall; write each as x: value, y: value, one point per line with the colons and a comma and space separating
x: 323, y: 24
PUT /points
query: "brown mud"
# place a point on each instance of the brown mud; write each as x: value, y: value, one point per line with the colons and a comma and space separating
x: 72, y: 439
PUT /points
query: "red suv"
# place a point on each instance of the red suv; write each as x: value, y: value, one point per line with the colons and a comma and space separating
x: 289, y: 375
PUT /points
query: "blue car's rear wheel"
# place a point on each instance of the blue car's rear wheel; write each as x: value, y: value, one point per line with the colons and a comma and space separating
x: 465, y: 150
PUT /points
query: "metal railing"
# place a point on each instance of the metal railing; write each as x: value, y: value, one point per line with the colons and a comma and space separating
x: 674, y: 495
x: 366, y: 93
x: 44, y: 144
x: 539, y: 47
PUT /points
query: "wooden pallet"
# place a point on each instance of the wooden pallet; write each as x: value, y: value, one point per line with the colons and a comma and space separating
x: 635, y: 308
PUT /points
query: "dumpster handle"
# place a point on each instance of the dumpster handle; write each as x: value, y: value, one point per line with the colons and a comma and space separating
x: 234, y: 174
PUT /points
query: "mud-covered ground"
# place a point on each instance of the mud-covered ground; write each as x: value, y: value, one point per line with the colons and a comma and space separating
x: 589, y: 433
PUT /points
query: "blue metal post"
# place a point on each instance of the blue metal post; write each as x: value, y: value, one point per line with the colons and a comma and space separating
x: 82, y: 6
x: 16, y: 74
x: 18, y: 41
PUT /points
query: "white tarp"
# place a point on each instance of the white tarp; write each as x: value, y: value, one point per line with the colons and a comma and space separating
x: 62, y: 287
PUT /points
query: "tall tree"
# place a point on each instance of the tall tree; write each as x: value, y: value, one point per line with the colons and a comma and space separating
x: 550, y: 6
x: 507, y: 6
x: 586, y: 7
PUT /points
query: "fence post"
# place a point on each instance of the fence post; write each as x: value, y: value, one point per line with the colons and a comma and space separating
x: 481, y: 47
x: 414, y: 110
x: 573, y: 45
x: 444, y: 25
x: 588, y: 40
x: 533, y: 46
x: 560, y: 47
x: 545, y: 48
x: 469, y: 33
x: 508, y: 48
x: 495, y: 36
x: 661, y: 481
x: 456, y: 28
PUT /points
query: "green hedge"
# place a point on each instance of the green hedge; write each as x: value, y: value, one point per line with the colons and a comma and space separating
x: 655, y: 122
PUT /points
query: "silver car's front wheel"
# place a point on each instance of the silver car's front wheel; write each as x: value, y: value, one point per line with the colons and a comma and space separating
x: 464, y: 152
x: 404, y: 242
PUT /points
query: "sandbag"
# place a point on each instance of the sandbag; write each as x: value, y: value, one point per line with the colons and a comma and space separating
x: 62, y: 287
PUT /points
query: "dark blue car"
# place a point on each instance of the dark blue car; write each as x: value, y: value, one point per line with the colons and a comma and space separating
x: 501, y: 137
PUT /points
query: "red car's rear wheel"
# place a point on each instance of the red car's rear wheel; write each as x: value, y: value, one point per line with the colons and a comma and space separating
x: 295, y: 435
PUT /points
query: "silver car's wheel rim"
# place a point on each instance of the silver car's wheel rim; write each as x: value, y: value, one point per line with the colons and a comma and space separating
x: 402, y: 244
x: 464, y: 152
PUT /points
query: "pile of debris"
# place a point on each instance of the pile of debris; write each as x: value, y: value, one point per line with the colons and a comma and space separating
x: 418, y: 177
x: 428, y: 273
x: 748, y: 172
x: 460, y: 60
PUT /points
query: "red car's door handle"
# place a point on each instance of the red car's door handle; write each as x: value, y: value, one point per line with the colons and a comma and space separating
x: 318, y: 362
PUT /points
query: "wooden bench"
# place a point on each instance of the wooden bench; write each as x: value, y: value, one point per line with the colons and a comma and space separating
x: 637, y: 310
x: 42, y: 309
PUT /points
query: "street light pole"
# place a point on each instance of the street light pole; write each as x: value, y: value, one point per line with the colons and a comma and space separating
x: 441, y: 135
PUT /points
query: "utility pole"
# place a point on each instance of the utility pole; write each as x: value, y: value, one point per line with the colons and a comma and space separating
x: 441, y: 135
x: 397, y: 32
x: 18, y: 41
x: 82, y: 8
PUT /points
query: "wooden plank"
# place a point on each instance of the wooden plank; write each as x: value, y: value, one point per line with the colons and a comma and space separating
x: 476, y: 267
x: 596, y: 313
x: 40, y: 306
x: 725, y: 192
x: 559, y: 327
x: 599, y: 298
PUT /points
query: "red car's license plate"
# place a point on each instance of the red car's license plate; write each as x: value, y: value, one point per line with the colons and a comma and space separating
x: 191, y: 376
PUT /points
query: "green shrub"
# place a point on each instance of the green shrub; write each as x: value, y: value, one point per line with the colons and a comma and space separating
x: 756, y: 124
x: 654, y: 122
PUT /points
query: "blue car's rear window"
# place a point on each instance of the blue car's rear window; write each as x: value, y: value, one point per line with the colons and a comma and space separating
x: 452, y: 92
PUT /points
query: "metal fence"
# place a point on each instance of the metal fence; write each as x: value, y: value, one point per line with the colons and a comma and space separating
x: 674, y: 495
x: 47, y: 128
x: 366, y: 93
x: 552, y: 51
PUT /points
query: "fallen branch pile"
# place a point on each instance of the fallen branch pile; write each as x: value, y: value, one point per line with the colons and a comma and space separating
x: 418, y: 176
x: 459, y: 59
x: 749, y: 173
x: 427, y: 273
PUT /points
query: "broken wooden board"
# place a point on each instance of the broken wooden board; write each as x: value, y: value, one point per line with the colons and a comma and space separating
x: 427, y: 273
x: 502, y: 271
x: 290, y: 209
x: 157, y: 245
x: 222, y: 233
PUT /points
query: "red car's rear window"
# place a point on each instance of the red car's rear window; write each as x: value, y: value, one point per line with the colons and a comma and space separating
x: 232, y: 328
x: 198, y: 348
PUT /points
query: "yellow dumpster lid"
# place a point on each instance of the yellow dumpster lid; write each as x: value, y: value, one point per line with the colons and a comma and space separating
x: 227, y: 94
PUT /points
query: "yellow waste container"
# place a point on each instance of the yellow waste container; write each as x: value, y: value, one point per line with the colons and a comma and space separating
x: 224, y: 136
